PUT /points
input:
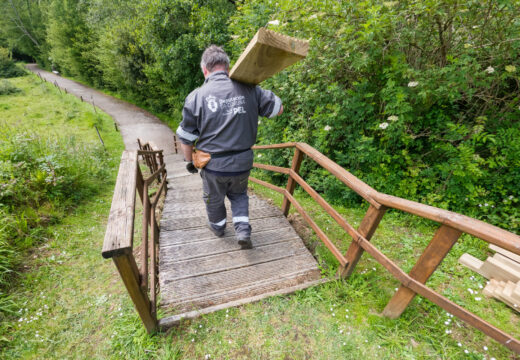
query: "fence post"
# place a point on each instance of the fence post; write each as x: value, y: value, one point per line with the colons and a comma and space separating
x: 153, y: 272
x: 291, y: 183
x: 366, y: 229
x: 128, y: 270
x: 144, y: 242
x: 443, y: 240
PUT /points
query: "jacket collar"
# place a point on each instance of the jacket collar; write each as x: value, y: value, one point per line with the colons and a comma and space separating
x: 217, y: 74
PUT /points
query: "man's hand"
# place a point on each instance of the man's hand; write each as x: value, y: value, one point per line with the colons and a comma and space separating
x: 191, y: 168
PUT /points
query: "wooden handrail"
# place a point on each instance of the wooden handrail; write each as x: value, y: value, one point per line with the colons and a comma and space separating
x: 478, y: 228
x: 452, y: 226
x: 274, y: 146
x: 120, y: 226
x: 118, y: 243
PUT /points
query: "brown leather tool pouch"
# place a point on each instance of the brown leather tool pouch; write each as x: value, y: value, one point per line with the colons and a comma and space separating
x: 200, y: 158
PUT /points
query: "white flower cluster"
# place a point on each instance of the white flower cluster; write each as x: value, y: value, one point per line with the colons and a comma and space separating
x: 393, y: 118
x: 413, y: 84
x: 327, y: 128
x: 383, y: 125
x: 489, y: 70
x: 274, y: 22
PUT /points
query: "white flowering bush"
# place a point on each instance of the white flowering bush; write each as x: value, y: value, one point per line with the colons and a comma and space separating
x: 425, y: 115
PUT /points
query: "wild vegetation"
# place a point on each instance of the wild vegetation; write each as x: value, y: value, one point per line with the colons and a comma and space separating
x: 50, y: 161
x: 418, y: 99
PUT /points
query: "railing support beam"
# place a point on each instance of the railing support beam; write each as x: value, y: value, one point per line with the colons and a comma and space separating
x: 128, y: 270
x: 443, y: 240
x: 291, y: 183
x: 366, y: 229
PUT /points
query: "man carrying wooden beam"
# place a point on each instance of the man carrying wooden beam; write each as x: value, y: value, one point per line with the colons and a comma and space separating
x: 221, y: 117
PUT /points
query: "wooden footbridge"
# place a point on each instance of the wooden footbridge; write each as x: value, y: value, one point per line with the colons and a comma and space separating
x: 193, y: 272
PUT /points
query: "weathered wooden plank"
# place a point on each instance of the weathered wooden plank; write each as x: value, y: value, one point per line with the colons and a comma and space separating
x: 443, y: 240
x: 172, y: 225
x: 505, y: 252
x: 267, y: 54
x: 171, y: 207
x: 174, y: 252
x: 169, y: 321
x: 192, y: 221
x: 236, y: 278
x: 255, y: 211
x: 199, y: 300
x: 196, y: 208
x: 202, y: 232
x: 184, y: 269
x: 120, y: 226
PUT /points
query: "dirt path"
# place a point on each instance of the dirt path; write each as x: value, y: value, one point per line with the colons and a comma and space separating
x: 132, y: 121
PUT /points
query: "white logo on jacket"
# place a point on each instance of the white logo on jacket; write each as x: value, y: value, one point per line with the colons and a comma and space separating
x: 212, y: 103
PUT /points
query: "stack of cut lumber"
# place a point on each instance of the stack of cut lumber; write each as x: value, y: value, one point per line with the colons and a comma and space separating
x: 503, y: 272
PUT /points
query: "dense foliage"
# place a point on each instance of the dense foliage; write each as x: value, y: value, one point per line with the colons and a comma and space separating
x: 8, y: 68
x: 418, y: 99
x: 40, y: 179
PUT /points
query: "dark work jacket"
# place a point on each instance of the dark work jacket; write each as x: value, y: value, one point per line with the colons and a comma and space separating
x: 221, y: 116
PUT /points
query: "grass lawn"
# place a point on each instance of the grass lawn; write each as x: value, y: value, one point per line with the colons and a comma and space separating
x: 68, y: 302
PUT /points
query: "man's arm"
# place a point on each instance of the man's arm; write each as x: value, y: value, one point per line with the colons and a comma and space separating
x: 187, y: 150
x: 188, y: 132
x: 269, y: 105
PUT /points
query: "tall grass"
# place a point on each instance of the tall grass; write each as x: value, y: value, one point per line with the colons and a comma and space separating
x: 41, y: 178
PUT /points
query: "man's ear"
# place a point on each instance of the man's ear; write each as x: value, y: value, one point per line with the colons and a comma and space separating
x: 205, y: 71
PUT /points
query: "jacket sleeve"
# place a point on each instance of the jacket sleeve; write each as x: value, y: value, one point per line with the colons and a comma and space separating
x: 268, y: 103
x: 188, y: 131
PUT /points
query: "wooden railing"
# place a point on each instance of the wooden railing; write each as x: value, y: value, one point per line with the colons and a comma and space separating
x: 451, y: 228
x: 141, y: 282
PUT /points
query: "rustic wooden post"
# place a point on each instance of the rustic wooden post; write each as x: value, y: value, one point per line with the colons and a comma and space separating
x: 291, y: 183
x: 153, y: 272
x: 443, y: 240
x: 366, y: 229
x: 128, y: 270
x: 144, y: 242
x: 139, y: 184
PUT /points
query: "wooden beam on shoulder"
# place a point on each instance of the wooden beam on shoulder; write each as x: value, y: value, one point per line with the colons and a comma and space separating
x: 266, y: 54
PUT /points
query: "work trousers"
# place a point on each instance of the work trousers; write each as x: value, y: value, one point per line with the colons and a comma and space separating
x: 214, y: 190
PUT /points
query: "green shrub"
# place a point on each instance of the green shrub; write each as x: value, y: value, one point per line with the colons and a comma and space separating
x: 8, y: 68
x: 40, y: 180
x: 7, y: 88
x: 418, y: 99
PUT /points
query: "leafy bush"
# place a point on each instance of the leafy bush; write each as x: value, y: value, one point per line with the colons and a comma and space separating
x: 7, y: 88
x: 40, y: 179
x: 8, y: 68
x: 418, y: 99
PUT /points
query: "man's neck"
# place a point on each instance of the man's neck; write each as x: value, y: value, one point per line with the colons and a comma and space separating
x: 216, y: 69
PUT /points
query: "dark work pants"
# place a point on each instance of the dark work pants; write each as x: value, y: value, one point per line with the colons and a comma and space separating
x: 214, y: 190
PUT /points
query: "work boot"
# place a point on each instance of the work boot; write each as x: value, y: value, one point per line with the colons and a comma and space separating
x: 218, y: 232
x: 244, y: 241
